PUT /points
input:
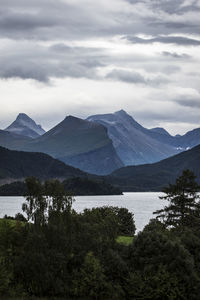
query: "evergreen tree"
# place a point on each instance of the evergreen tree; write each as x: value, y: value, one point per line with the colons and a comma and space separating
x: 184, y: 205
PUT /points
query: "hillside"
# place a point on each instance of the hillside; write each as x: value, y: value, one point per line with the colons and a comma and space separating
x: 13, y: 141
x: 133, y: 143
x: 79, y: 143
x: 18, y: 165
x: 153, y: 177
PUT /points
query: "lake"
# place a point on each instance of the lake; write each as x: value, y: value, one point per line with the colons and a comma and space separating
x: 141, y: 204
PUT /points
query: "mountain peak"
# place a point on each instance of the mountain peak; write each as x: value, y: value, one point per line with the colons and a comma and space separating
x: 160, y: 130
x: 23, y: 116
x: 121, y: 112
x: 70, y: 117
x: 24, y: 125
x: 71, y: 122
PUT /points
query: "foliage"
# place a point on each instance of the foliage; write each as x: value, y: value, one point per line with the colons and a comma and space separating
x: 162, y: 268
x: 125, y: 240
x: 90, y: 281
x: 45, y: 201
x: 184, y: 205
x: 61, y: 254
x: 88, y: 186
x: 75, y: 186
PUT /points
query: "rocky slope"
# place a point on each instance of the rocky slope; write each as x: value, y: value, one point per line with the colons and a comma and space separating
x: 24, y: 125
x: 80, y: 143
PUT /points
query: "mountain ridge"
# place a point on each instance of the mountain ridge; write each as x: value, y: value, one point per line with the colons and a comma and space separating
x: 19, y: 165
x: 153, y: 177
x: 24, y: 125
x: 79, y: 143
x: 134, y: 144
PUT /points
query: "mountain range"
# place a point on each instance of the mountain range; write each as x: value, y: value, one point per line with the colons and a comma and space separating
x: 17, y: 165
x: 137, y: 145
x: 133, y: 143
x: 79, y: 143
x: 153, y: 177
x: 100, y: 144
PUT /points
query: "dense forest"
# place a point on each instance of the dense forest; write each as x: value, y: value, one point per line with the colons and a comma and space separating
x: 58, y: 253
x: 75, y: 186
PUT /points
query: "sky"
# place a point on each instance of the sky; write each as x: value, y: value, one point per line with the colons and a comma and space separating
x: 86, y: 57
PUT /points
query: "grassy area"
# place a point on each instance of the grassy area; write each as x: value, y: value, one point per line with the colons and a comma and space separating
x: 12, y: 223
x: 9, y: 221
x: 125, y: 240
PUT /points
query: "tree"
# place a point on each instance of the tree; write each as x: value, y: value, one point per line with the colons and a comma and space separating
x: 59, y: 202
x: 126, y: 221
x: 36, y: 205
x: 161, y: 268
x: 46, y: 201
x: 184, y: 205
x: 90, y: 282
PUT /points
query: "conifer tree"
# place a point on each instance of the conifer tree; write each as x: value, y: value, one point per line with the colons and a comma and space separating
x: 184, y: 205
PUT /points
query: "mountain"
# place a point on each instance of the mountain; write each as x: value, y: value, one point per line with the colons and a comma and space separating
x: 188, y: 140
x: 153, y: 177
x: 15, y: 165
x: 160, y: 130
x: 79, y: 143
x: 24, y: 125
x: 133, y: 143
x: 13, y: 141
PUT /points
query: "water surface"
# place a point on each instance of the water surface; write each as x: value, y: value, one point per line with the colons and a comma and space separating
x: 141, y: 204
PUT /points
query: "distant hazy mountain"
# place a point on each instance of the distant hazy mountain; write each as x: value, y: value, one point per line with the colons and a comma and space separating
x: 24, y: 125
x: 160, y: 130
x: 134, y: 143
x: 13, y: 141
x: 100, y: 144
x: 188, y: 140
x: 79, y: 143
x: 15, y: 165
x: 153, y: 177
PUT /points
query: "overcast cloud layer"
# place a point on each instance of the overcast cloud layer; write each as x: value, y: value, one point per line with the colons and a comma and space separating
x: 84, y: 57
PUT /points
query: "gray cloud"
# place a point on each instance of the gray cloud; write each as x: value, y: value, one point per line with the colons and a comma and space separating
x: 135, y: 77
x: 151, y: 118
x: 39, y: 38
x: 126, y: 76
x: 178, y: 40
x: 170, y: 6
x: 46, y: 62
x: 189, y: 101
x: 51, y: 20
x: 176, y: 55
x: 170, y: 69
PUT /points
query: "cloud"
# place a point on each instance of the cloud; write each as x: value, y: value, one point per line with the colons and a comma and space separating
x: 177, y: 40
x: 176, y: 55
x: 67, y: 19
x: 88, y: 49
x: 126, y: 76
x: 135, y: 77
x: 189, y: 101
x: 170, y: 6
x: 45, y: 62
